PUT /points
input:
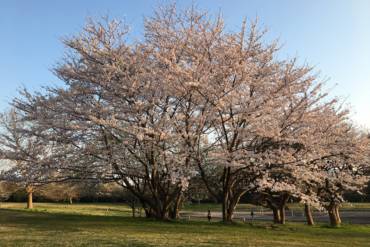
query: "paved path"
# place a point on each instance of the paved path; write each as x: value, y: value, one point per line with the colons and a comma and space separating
x: 354, y: 217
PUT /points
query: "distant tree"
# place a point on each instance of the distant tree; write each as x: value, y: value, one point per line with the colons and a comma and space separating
x: 66, y: 191
x: 7, y: 189
x: 28, y: 156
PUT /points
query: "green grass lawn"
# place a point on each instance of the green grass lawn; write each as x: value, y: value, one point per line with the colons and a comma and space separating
x: 111, y: 225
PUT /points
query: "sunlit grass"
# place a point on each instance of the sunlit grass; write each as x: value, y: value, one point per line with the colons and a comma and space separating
x: 102, y: 209
x: 93, y: 225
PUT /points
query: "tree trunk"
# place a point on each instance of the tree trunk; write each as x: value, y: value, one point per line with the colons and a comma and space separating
x: 29, y: 199
x: 133, y: 208
x: 163, y: 215
x: 29, y: 190
x: 228, y: 208
x: 233, y: 201
x: 229, y: 214
x: 158, y: 212
x: 308, y: 213
x: 337, y: 214
x: 334, y: 220
x: 282, y: 205
x: 70, y: 200
x: 147, y: 209
x: 175, y: 213
x: 225, y: 200
x: 282, y: 214
x: 224, y: 209
x: 148, y: 212
x: 276, y: 214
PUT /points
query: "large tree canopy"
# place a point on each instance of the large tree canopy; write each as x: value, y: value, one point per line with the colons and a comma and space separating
x: 192, y: 100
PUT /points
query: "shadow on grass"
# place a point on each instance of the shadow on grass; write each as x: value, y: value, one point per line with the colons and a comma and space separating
x: 64, y: 223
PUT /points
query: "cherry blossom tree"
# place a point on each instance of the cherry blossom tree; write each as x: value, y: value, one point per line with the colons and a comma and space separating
x: 28, y: 155
x: 119, y: 117
x: 191, y: 99
x: 343, y: 171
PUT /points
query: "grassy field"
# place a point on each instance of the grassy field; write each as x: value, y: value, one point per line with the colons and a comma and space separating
x: 111, y: 225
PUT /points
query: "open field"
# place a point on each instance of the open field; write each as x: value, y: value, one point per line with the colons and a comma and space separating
x: 111, y: 225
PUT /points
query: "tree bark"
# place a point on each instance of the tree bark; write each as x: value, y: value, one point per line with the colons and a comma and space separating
x: 333, y: 219
x: 308, y: 213
x: 225, y: 198
x: 224, y: 206
x: 159, y: 212
x: 148, y: 212
x: 228, y: 207
x: 230, y: 196
x: 282, y: 214
x: 175, y: 213
x: 133, y: 208
x: 29, y: 199
x: 229, y: 214
x: 232, y: 202
x: 70, y: 200
x: 333, y: 216
x: 337, y: 214
x: 276, y: 214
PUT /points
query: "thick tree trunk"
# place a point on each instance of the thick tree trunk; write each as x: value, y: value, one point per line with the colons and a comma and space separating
x: 337, y: 214
x: 224, y: 205
x: 333, y: 219
x: 70, y: 200
x: 276, y: 213
x: 156, y: 214
x: 175, y: 213
x: 229, y: 200
x: 29, y: 190
x: 30, y: 199
x: 228, y: 208
x: 334, y: 216
x: 282, y: 214
x: 229, y: 214
x: 233, y: 201
x: 160, y: 211
x: 308, y: 213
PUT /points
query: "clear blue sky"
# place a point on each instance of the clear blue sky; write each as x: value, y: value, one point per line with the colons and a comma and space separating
x: 333, y: 35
